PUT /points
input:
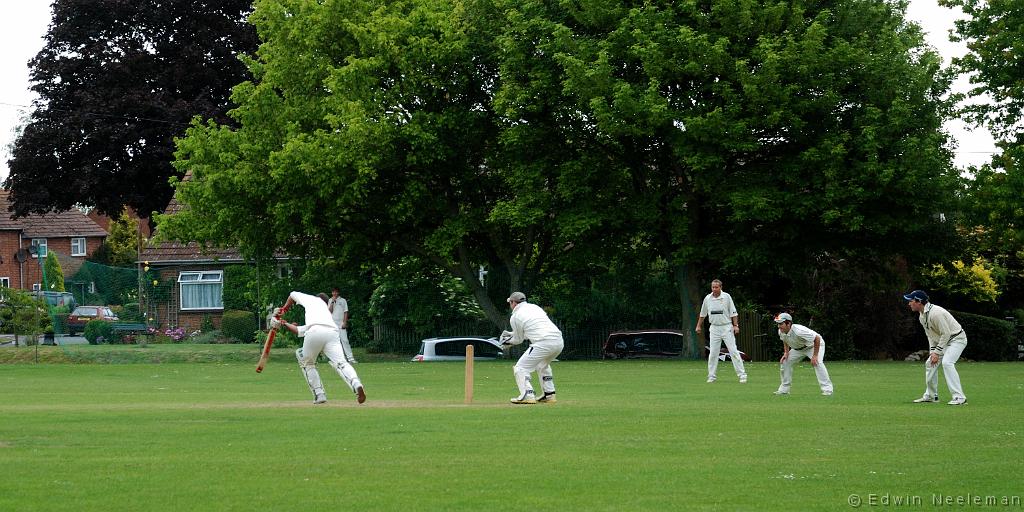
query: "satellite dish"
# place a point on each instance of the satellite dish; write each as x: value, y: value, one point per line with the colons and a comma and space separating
x: 21, y: 255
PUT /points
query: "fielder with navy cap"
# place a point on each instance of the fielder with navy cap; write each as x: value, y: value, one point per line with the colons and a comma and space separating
x: 946, y: 341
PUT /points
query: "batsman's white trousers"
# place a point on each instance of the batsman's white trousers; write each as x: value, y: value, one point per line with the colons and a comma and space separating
x: 720, y: 333
x: 538, y: 359
x: 949, y: 358
x: 324, y: 339
x: 795, y: 356
x: 343, y: 336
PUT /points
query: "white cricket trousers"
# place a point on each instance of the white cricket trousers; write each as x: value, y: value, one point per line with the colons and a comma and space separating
x: 343, y: 336
x: 795, y: 356
x: 324, y: 339
x: 949, y: 358
x: 538, y: 359
x: 720, y: 333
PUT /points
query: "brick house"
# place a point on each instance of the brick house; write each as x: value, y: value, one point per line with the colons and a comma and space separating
x: 72, y: 235
x: 193, y: 278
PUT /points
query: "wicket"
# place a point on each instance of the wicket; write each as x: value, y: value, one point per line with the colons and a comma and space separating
x: 469, y: 374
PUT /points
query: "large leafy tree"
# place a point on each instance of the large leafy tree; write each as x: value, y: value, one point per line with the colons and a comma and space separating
x: 117, y: 81
x: 994, y: 34
x: 545, y: 138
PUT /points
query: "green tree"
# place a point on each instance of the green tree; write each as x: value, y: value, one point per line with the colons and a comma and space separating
x: 994, y: 34
x: 117, y: 81
x: 54, y: 273
x: 539, y: 138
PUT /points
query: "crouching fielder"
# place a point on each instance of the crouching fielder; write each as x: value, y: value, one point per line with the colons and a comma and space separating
x: 530, y: 322
x: 320, y: 334
x: 800, y: 342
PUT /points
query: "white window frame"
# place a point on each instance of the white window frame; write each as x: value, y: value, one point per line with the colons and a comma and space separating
x: 78, y: 247
x: 42, y: 251
x: 186, y: 279
x: 36, y: 287
x: 5, y: 282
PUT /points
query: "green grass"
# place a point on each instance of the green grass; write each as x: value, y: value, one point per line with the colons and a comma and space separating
x: 625, y: 435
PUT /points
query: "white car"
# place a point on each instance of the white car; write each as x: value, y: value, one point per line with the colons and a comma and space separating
x: 453, y: 348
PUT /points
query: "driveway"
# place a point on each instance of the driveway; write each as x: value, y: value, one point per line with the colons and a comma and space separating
x: 7, y: 340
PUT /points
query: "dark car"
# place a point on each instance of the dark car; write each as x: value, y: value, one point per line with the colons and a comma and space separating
x: 647, y: 343
x: 84, y: 314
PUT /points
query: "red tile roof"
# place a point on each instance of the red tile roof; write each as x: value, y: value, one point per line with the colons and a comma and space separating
x: 192, y: 252
x: 72, y: 223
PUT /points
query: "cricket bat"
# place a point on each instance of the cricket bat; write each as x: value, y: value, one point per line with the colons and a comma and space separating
x: 266, y: 351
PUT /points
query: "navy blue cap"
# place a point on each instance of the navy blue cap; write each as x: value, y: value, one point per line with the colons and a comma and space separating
x: 917, y: 295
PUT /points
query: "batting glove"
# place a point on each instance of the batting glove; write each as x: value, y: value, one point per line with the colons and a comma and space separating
x: 275, y: 323
x: 506, y: 338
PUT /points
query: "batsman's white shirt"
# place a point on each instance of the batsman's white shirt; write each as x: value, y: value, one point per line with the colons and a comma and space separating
x: 530, y: 322
x: 799, y: 337
x: 340, y: 308
x: 718, y: 310
x: 316, y: 312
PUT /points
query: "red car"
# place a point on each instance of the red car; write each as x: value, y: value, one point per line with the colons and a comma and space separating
x: 84, y: 314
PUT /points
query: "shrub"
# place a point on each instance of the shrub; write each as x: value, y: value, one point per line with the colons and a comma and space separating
x: 207, y: 324
x: 60, y: 322
x: 206, y: 337
x: 988, y: 339
x: 98, y: 331
x: 239, y: 325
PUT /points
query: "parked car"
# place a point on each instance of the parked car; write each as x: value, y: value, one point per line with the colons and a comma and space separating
x: 647, y: 343
x: 84, y: 314
x: 454, y: 348
x: 723, y: 353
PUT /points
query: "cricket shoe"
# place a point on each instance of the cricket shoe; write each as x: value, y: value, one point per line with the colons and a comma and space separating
x: 360, y: 395
x: 320, y: 399
x: 743, y: 379
x: 781, y: 393
x: 926, y: 400
x: 526, y: 398
x: 710, y: 380
x: 957, y: 401
x: 826, y: 393
x: 548, y: 398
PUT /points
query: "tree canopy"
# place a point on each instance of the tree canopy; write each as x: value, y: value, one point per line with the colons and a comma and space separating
x: 540, y: 139
x: 117, y: 81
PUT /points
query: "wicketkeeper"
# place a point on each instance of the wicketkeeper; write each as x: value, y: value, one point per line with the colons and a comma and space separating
x: 319, y: 334
x: 530, y: 322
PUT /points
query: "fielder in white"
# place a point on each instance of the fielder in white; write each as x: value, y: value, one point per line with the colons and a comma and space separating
x: 530, y: 322
x: 721, y: 313
x: 800, y: 342
x: 339, y: 312
x: 319, y: 334
x: 946, y: 341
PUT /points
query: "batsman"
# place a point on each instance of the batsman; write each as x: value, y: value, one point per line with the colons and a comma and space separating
x: 319, y: 334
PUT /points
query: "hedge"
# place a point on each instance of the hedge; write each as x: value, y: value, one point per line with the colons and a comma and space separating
x: 988, y: 339
x: 239, y: 325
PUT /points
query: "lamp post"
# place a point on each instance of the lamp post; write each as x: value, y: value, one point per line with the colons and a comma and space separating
x: 33, y: 249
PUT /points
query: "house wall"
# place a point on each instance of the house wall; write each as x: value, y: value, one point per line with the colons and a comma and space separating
x: 166, y: 309
x: 24, y: 275
x: 9, y: 266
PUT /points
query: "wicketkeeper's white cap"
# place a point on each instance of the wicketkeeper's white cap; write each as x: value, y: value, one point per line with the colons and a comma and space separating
x: 783, y: 317
x: 517, y: 297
